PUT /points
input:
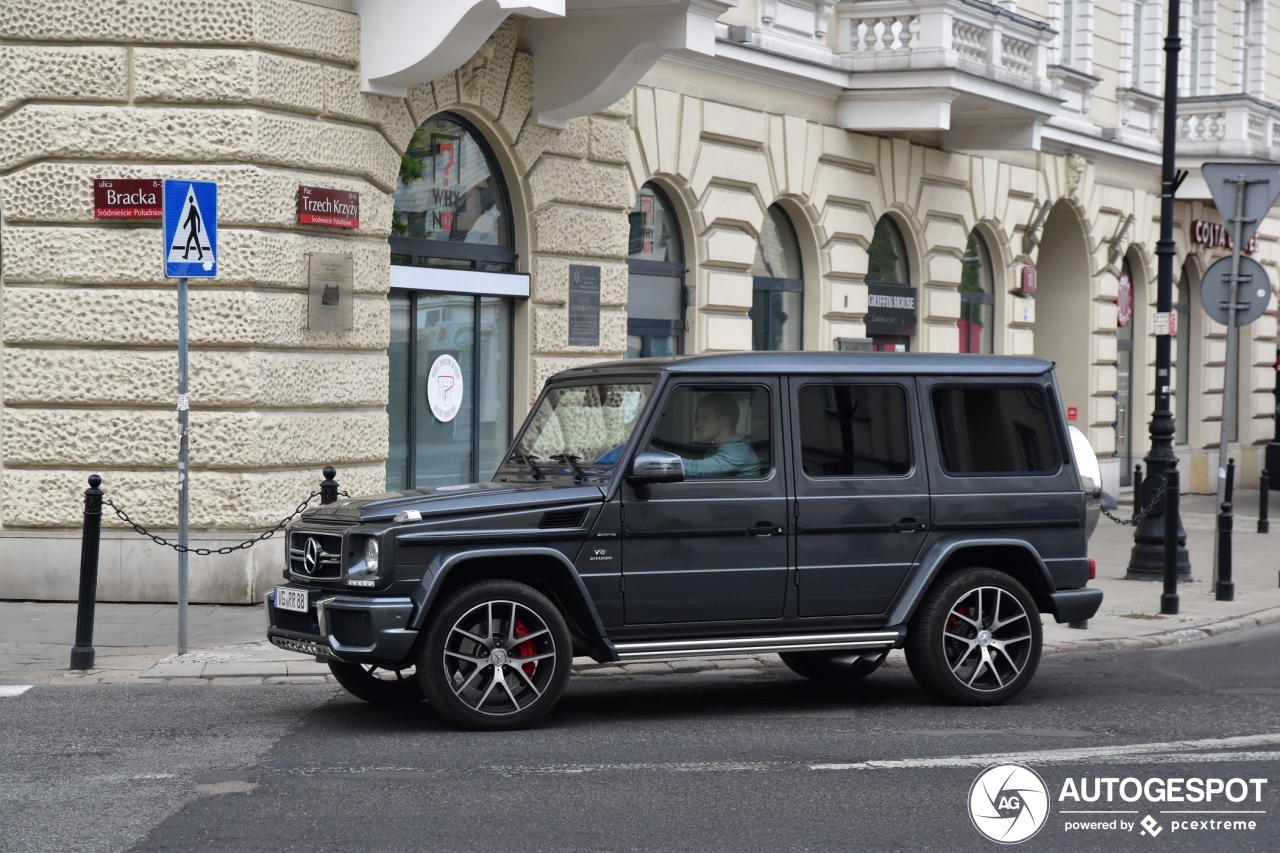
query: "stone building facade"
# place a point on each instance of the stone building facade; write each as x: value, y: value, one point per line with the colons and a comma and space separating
x: 757, y: 122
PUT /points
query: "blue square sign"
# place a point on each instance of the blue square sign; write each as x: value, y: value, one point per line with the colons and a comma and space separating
x: 190, y: 229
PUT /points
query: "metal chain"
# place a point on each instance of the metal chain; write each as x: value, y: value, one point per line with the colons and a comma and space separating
x: 1156, y: 504
x: 205, y: 552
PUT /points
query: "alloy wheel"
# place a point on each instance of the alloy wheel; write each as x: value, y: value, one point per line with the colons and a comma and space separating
x: 499, y: 658
x: 987, y: 639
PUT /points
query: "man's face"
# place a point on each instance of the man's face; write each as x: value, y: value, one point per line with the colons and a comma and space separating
x: 707, y: 425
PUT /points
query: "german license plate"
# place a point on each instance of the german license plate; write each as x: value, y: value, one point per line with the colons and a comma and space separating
x: 291, y: 599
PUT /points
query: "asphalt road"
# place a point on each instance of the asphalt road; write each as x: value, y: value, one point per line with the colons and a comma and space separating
x: 747, y: 760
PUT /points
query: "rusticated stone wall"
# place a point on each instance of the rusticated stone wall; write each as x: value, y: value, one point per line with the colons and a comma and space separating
x: 260, y: 96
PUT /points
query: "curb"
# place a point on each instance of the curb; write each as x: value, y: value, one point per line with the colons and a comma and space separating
x: 1169, y: 638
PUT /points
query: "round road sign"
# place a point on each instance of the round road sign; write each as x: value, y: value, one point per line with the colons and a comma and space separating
x: 1251, y: 299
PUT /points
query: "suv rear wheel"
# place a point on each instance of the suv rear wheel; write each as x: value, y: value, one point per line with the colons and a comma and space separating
x: 975, y: 639
x: 497, y: 656
x: 836, y: 667
x: 378, y: 685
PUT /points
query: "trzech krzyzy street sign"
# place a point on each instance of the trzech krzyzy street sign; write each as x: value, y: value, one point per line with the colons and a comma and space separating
x: 190, y: 229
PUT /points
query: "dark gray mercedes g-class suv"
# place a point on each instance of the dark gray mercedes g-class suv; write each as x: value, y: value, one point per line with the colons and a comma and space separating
x: 825, y: 506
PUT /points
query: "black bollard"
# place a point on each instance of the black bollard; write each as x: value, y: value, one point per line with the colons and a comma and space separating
x: 1264, y: 491
x: 1225, y: 590
x: 329, y: 486
x: 1137, y: 490
x: 82, y: 653
x: 1172, y: 488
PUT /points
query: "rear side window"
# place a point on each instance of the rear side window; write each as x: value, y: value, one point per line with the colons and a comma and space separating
x: 854, y: 431
x: 994, y: 430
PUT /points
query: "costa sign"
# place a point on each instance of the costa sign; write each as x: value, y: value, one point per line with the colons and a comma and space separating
x: 127, y: 198
x: 324, y: 206
x: 1216, y: 236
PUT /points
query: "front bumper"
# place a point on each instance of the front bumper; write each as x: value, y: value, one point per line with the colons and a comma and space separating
x: 345, y: 628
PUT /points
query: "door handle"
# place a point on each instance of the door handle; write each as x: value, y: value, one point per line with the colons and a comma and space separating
x: 908, y: 525
x: 764, y: 529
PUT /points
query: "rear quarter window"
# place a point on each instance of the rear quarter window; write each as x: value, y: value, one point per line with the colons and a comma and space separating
x: 995, y: 431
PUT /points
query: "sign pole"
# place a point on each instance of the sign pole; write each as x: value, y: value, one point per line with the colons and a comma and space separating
x: 1232, y: 364
x: 184, y: 460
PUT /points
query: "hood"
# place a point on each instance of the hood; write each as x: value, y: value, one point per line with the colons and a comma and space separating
x: 454, y: 500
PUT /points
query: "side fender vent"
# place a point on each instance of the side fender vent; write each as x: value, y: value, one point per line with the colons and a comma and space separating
x: 562, y: 518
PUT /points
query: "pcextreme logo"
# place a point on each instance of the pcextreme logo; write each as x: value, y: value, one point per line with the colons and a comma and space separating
x: 1008, y: 803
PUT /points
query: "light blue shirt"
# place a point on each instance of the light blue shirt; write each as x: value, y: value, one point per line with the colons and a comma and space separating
x: 735, y: 458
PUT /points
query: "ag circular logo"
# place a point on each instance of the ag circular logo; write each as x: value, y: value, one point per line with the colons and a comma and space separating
x: 444, y: 388
x: 1008, y: 803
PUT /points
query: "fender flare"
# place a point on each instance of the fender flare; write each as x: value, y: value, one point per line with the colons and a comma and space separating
x: 424, y: 594
x: 942, y: 551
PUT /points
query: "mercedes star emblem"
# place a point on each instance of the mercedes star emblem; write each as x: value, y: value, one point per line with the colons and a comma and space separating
x: 311, y: 556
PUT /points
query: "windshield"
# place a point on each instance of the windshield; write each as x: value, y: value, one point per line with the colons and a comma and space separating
x: 579, y: 428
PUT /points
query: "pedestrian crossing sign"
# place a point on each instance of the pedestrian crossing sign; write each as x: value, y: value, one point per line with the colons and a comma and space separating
x: 190, y: 229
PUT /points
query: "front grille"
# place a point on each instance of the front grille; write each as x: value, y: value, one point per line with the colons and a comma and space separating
x: 351, y: 627
x: 562, y: 518
x: 328, y: 555
x: 303, y: 623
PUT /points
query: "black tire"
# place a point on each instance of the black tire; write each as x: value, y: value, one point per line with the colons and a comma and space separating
x: 378, y: 685
x: 828, y: 666
x: 956, y: 654
x: 455, y: 663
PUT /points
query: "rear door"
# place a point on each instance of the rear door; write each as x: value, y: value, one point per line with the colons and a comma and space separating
x: 862, y: 494
x: 713, y: 548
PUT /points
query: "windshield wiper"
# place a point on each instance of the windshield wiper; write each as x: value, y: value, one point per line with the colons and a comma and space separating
x: 578, y: 474
x: 528, y: 460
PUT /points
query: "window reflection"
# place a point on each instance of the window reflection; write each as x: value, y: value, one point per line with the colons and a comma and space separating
x: 977, y: 298
x: 777, y: 299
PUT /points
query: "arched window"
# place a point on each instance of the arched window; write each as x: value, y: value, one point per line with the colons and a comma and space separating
x: 777, y: 299
x: 977, y: 298
x: 452, y: 253
x: 451, y: 206
x: 655, y: 278
x: 891, y: 301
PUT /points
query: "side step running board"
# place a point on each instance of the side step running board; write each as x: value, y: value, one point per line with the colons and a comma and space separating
x: 756, y: 645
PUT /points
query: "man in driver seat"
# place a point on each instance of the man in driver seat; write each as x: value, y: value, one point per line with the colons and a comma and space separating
x: 731, y: 453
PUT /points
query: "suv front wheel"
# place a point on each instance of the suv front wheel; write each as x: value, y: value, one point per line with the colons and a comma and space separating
x: 497, y: 656
x: 975, y: 639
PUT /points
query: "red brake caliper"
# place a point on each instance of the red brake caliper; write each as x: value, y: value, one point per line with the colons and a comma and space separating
x: 525, y: 649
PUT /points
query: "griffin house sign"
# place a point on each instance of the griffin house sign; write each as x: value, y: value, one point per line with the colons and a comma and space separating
x: 891, y: 310
x: 324, y: 206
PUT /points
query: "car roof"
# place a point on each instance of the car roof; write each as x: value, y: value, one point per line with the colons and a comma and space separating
x: 894, y: 363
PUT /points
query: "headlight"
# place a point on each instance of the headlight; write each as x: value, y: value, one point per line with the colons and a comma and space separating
x: 365, y: 572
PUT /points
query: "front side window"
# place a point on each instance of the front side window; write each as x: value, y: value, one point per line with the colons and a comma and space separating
x: 579, y: 428
x: 720, y: 432
x: 854, y: 431
x: 777, y: 299
x: 994, y: 430
x: 977, y: 298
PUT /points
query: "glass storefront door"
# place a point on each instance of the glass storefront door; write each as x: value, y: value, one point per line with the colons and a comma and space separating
x: 426, y: 450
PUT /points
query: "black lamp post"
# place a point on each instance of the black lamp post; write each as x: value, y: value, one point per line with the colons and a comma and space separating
x: 1147, y: 558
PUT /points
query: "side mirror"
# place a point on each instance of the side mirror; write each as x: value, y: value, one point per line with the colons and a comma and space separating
x: 654, y: 466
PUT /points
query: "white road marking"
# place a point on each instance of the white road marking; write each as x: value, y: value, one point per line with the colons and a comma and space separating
x: 1199, y: 751
x: 13, y: 689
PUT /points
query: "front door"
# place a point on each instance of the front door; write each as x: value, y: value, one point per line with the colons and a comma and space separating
x: 713, y: 548
x: 861, y: 489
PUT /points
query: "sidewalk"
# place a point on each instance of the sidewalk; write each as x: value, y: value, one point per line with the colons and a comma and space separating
x: 136, y: 642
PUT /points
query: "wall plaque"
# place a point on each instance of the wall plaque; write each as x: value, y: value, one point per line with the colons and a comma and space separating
x: 891, y: 309
x: 584, y: 305
x: 127, y: 198
x: 324, y: 206
x: 329, y: 279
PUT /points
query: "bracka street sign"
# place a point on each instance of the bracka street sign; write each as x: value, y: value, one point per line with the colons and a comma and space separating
x: 127, y: 198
